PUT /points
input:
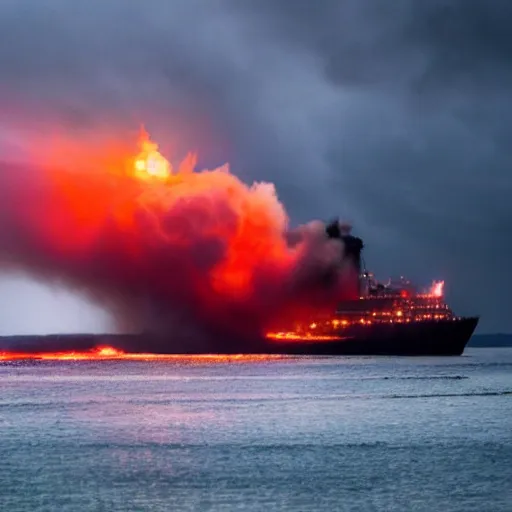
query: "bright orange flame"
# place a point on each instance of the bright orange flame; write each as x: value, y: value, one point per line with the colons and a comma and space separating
x: 150, y: 163
x: 107, y: 353
x: 293, y: 336
x: 252, y: 234
x: 437, y: 289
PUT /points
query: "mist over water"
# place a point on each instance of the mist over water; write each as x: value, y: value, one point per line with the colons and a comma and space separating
x: 354, y: 433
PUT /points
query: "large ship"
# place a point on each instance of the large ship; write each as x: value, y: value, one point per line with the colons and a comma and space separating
x: 394, y: 318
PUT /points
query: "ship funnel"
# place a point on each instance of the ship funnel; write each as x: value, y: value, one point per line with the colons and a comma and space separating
x: 353, y: 249
x: 353, y: 245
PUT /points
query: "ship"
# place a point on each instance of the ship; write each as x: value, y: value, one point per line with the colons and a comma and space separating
x: 393, y: 318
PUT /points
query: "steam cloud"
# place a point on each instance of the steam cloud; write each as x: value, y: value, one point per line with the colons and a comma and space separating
x: 200, y: 252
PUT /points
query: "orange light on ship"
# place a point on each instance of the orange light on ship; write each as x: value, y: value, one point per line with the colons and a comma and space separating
x: 293, y: 336
x: 437, y: 289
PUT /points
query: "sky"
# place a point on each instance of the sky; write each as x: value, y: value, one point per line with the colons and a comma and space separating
x: 392, y: 115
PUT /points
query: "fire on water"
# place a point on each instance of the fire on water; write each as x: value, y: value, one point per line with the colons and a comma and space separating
x: 108, y: 353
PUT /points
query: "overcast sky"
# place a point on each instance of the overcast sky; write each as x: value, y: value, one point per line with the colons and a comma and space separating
x: 393, y: 114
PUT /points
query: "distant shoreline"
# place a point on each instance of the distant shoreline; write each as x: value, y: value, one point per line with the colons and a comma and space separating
x: 490, y: 340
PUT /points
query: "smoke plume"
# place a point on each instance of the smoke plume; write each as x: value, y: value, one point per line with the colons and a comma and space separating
x: 165, y: 249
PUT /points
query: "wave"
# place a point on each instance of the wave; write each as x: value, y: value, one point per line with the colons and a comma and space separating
x: 425, y: 377
x: 442, y: 395
x: 244, y: 398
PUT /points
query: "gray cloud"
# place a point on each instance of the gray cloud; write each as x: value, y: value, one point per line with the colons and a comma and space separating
x: 393, y: 114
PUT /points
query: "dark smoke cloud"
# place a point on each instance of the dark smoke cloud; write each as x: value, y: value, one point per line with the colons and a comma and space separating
x: 202, y: 257
x: 392, y: 114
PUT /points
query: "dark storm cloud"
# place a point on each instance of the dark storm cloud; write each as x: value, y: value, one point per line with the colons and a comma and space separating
x: 422, y: 150
x: 394, y: 114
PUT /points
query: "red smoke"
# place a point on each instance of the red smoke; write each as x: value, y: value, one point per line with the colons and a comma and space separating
x: 164, y: 248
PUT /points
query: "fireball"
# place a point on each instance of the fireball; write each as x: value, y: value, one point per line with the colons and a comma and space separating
x: 163, y: 248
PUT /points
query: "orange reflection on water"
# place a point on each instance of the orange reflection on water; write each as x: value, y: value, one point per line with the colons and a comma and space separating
x: 108, y: 353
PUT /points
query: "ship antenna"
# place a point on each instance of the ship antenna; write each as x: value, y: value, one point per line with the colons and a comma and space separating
x: 364, y: 264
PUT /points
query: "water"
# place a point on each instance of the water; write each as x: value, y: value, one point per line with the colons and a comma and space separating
x: 358, y: 433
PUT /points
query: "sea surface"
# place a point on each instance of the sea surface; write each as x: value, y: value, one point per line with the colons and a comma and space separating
x: 302, y: 434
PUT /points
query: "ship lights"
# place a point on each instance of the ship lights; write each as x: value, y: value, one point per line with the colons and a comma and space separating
x: 404, y: 308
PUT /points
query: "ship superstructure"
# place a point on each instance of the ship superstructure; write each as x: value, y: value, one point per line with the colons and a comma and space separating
x: 385, y: 318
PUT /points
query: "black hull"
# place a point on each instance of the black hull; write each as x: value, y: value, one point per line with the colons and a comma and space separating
x: 439, y: 338
x: 427, y: 338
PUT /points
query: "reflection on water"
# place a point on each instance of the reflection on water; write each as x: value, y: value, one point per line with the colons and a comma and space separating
x: 283, y: 434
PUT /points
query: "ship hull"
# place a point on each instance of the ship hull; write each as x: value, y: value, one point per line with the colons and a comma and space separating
x: 441, y: 338
x: 426, y: 338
